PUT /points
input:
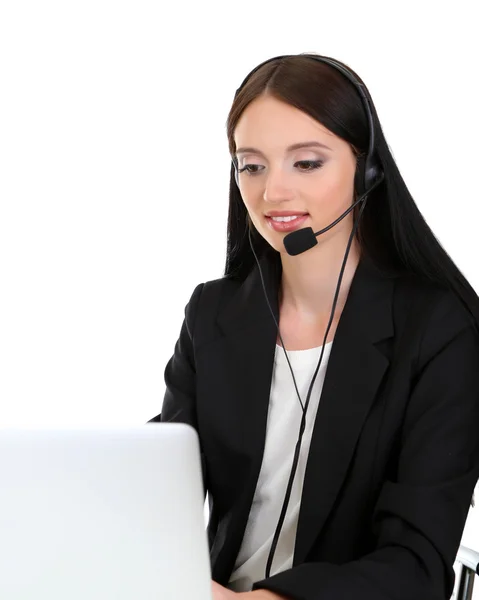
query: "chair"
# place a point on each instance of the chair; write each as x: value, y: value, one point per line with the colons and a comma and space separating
x: 469, y: 567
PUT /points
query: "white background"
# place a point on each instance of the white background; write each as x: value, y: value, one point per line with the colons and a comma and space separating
x: 114, y: 172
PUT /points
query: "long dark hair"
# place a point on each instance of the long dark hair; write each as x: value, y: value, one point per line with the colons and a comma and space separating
x: 392, y: 230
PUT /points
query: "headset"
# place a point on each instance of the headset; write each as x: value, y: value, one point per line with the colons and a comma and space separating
x: 301, y: 240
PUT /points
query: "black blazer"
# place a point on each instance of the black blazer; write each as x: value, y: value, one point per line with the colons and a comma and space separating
x: 394, y: 456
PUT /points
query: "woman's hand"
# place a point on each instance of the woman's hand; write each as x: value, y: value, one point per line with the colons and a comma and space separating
x: 222, y: 593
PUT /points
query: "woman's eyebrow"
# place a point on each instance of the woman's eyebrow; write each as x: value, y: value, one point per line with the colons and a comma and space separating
x: 288, y: 149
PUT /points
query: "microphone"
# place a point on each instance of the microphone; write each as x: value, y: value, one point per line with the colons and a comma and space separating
x: 304, y: 239
x: 300, y: 240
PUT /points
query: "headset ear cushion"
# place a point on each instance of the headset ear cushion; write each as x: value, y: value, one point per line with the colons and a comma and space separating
x: 359, y: 183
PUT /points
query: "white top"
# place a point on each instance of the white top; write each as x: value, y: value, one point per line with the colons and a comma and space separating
x: 284, y: 419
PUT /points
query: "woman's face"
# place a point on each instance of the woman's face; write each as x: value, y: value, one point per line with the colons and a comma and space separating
x: 286, y: 188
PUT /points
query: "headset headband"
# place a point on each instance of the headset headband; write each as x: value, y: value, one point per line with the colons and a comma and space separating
x: 372, y: 170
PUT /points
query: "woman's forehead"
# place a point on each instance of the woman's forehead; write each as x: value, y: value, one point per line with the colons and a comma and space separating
x: 268, y: 124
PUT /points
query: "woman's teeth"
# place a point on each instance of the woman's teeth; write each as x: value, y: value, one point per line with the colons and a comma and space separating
x: 285, y: 219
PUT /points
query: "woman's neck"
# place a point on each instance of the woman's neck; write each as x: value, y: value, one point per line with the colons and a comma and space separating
x: 309, y: 280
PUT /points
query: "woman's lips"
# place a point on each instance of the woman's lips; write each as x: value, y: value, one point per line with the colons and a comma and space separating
x: 286, y: 226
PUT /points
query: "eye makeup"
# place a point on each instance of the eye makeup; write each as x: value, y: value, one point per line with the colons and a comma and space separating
x: 311, y: 164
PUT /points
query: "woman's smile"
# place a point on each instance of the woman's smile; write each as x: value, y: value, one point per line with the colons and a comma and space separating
x: 286, y: 223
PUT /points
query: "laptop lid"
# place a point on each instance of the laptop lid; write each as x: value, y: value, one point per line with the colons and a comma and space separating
x: 110, y: 514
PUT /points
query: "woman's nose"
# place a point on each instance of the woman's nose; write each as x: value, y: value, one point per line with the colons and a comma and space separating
x: 277, y: 188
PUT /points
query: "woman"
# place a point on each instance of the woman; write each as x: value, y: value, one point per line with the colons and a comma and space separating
x: 350, y: 477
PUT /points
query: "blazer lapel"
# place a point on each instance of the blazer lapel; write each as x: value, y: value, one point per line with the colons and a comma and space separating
x: 354, y: 373
x: 247, y: 354
x: 248, y: 349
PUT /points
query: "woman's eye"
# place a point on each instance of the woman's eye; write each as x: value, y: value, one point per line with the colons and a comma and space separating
x: 247, y: 169
x: 310, y: 165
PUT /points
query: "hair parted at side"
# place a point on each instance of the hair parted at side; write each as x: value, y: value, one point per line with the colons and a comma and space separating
x: 392, y: 231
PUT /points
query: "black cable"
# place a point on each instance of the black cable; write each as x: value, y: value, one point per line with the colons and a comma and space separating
x: 305, y: 407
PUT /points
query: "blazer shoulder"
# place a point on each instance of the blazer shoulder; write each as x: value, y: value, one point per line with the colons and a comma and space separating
x: 441, y: 302
x: 206, y: 302
x: 443, y: 314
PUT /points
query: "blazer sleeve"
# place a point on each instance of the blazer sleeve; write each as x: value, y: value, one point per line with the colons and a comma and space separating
x: 419, y: 517
x: 179, y: 403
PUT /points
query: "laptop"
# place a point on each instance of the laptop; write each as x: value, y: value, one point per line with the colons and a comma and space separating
x: 102, y: 514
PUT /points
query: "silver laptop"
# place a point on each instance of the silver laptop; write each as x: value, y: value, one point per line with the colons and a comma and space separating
x: 102, y: 514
